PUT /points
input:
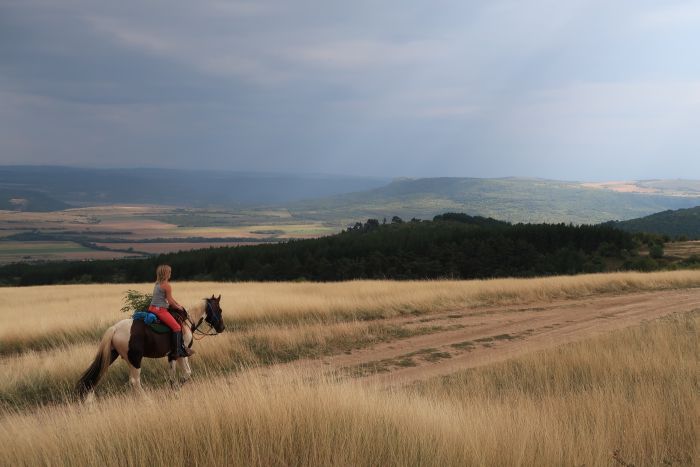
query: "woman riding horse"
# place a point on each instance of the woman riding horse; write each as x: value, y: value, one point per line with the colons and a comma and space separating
x: 162, y: 298
x: 133, y: 340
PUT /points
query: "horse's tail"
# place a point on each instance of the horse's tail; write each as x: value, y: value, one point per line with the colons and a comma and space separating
x: 99, y: 365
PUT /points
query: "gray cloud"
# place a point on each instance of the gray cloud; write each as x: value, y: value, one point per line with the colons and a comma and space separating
x: 575, y: 90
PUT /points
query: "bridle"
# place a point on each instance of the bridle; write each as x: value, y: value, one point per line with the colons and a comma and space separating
x: 210, y: 316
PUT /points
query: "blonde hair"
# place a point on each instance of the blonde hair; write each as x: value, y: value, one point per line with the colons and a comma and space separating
x: 162, y: 272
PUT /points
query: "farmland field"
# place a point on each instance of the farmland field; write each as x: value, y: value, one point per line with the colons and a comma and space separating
x: 11, y: 251
x: 157, y: 229
x: 156, y: 248
x: 594, y: 370
x: 147, y: 222
x: 683, y: 249
x: 147, y: 229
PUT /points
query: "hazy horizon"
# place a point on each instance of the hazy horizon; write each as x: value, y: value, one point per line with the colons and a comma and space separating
x: 335, y: 175
x: 577, y: 91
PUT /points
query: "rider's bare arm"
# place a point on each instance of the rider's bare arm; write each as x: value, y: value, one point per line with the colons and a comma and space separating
x: 169, y: 296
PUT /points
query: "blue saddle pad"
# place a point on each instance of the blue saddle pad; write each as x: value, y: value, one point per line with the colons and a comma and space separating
x: 146, y: 316
x: 151, y: 321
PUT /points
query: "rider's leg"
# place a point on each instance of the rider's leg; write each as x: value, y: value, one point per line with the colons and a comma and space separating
x: 166, y: 318
x: 177, y: 347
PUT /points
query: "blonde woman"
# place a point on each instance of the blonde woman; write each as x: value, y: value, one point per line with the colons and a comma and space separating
x: 162, y: 298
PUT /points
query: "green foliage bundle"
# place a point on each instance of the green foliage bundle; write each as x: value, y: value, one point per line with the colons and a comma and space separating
x: 135, y: 301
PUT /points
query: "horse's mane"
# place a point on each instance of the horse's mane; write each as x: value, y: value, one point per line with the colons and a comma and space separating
x: 198, y: 307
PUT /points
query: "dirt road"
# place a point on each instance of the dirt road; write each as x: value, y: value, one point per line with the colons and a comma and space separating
x: 467, y: 338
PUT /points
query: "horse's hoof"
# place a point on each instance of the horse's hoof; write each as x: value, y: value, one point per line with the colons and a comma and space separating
x: 146, y: 399
x: 87, y: 401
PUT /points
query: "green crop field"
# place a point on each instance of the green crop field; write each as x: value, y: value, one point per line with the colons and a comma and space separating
x: 39, y: 248
x: 14, y: 251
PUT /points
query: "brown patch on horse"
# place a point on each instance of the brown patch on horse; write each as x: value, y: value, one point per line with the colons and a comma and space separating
x: 144, y: 342
x: 156, y: 345
x: 137, y: 339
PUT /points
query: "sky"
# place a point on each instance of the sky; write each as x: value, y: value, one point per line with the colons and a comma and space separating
x: 573, y: 90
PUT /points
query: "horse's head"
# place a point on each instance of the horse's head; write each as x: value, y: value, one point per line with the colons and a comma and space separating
x: 213, y: 313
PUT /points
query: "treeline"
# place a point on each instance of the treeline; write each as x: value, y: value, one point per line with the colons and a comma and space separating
x: 681, y: 224
x: 451, y: 246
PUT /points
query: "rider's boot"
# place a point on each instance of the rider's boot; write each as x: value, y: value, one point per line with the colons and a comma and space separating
x: 178, y: 346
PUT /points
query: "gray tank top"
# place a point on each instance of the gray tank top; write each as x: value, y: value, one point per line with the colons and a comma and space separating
x: 159, y: 297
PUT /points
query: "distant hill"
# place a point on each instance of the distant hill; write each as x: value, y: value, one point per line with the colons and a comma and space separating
x: 342, y: 200
x: 195, y: 188
x: 510, y: 199
x: 28, y: 200
x: 681, y: 222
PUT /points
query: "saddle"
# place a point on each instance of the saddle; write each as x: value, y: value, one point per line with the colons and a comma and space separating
x: 159, y: 328
x: 154, y: 324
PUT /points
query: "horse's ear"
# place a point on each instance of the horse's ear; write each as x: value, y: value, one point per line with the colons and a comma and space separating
x: 218, y: 298
x: 212, y: 296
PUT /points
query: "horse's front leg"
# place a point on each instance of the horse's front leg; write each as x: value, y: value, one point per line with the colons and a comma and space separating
x: 184, y: 363
x: 172, y: 374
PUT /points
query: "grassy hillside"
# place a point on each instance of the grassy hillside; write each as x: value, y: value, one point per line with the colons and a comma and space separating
x: 511, y: 199
x: 629, y: 396
x: 681, y: 222
x: 12, y: 199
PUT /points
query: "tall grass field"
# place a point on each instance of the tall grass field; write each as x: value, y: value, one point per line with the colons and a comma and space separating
x: 627, y: 397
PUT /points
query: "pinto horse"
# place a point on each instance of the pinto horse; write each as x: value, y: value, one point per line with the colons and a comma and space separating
x: 133, y: 339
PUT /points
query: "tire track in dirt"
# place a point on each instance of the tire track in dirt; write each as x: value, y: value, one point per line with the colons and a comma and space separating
x: 485, y: 335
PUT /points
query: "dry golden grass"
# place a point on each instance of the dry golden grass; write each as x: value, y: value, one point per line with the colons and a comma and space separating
x: 53, y: 316
x: 48, y: 334
x: 33, y: 378
x: 44, y: 317
x: 634, y: 391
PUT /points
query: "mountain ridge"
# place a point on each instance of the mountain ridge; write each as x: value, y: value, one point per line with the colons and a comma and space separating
x: 510, y: 199
x: 340, y: 199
